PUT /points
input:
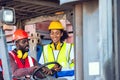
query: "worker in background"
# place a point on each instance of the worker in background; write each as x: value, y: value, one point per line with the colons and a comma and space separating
x: 60, y: 51
x: 22, y: 65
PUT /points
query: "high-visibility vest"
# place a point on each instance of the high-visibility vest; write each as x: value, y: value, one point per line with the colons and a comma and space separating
x: 29, y: 62
x: 63, y: 55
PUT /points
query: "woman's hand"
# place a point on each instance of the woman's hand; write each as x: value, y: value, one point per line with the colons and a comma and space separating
x: 57, y: 67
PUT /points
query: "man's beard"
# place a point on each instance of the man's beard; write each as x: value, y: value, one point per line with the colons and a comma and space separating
x: 25, y: 49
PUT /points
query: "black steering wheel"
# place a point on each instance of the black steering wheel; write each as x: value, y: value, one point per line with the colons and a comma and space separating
x: 38, y: 74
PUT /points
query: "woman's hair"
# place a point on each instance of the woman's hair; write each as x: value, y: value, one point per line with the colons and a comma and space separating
x: 65, y: 35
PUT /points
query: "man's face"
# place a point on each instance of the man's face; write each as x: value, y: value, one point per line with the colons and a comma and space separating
x: 23, y: 44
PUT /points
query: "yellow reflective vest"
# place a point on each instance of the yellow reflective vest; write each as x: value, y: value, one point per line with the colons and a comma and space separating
x: 63, y: 57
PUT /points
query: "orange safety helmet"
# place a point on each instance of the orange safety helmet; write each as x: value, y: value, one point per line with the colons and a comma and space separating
x: 19, y: 34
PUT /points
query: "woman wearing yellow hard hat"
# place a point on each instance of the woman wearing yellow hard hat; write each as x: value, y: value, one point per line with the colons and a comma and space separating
x: 60, y: 51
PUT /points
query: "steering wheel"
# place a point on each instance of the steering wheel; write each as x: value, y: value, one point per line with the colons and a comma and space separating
x: 38, y: 74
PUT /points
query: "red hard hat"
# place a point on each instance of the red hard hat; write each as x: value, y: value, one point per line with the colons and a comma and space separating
x: 19, y: 34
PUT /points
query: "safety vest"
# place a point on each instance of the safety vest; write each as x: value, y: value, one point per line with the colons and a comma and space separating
x: 29, y: 62
x: 62, y: 57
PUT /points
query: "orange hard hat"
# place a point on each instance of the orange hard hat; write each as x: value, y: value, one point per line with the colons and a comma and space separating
x: 19, y: 34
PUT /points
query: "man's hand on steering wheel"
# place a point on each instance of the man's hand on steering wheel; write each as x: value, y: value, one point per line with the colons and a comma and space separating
x: 46, y: 71
x: 43, y: 71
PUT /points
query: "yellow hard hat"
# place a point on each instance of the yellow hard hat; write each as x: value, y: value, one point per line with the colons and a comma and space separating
x: 55, y: 25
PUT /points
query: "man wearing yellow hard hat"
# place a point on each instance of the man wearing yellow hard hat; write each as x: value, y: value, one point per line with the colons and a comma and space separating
x: 60, y: 51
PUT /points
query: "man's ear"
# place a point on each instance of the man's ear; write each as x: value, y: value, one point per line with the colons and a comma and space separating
x: 16, y: 43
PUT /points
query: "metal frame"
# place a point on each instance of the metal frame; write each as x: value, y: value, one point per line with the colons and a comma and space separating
x: 116, y: 20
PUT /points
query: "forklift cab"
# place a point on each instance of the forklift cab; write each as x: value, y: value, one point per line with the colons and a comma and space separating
x: 96, y: 30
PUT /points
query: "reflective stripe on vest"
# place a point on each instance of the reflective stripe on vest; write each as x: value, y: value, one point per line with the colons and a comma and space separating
x: 63, y: 55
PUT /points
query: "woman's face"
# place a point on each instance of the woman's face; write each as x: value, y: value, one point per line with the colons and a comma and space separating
x: 55, y: 35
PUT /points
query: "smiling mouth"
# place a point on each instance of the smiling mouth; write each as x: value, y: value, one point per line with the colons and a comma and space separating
x: 26, y: 47
x: 55, y: 39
